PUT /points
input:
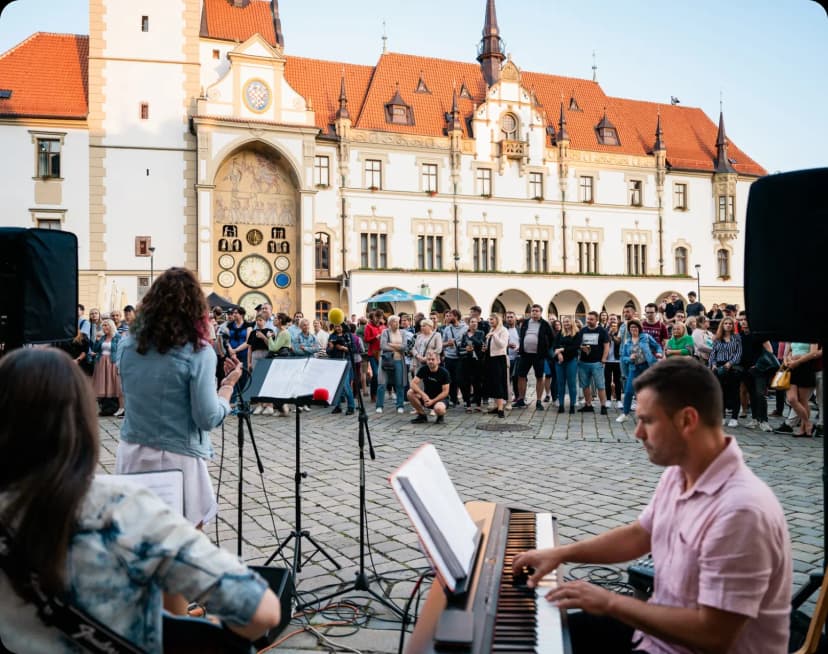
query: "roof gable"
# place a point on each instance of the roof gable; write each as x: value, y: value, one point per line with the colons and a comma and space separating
x: 221, y: 20
x: 47, y: 75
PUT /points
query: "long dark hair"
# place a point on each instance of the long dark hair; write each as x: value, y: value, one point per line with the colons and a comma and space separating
x: 172, y: 313
x: 47, y: 457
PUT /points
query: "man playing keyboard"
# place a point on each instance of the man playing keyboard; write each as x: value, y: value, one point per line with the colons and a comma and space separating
x: 717, y: 534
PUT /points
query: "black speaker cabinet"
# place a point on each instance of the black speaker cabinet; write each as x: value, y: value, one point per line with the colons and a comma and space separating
x: 38, y: 286
x: 786, y: 256
x: 281, y: 583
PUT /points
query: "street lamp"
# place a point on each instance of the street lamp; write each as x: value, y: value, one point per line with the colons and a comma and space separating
x: 152, y: 263
x: 698, y: 282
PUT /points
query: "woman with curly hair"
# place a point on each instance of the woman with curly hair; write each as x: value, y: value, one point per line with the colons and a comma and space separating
x: 168, y: 375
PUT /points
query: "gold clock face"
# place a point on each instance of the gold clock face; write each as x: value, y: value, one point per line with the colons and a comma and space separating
x: 226, y: 279
x: 254, y: 237
x: 254, y: 271
x: 227, y: 261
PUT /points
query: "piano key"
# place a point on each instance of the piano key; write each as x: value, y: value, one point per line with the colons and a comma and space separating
x: 549, y: 628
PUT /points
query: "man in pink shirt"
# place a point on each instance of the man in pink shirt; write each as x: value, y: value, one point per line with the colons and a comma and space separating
x: 717, y: 534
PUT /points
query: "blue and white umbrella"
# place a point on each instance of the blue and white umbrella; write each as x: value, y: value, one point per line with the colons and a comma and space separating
x: 395, y: 295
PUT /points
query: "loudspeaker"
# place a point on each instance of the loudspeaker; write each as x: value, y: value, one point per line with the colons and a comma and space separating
x: 281, y: 583
x: 786, y: 256
x: 38, y: 286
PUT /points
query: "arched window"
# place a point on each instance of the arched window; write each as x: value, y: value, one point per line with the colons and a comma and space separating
x: 497, y: 307
x: 581, y: 312
x: 323, y: 254
x: 440, y: 306
x: 723, y: 257
x: 681, y: 261
x: 322, y: 309
x: 509, y: 126
x: 553, y: 310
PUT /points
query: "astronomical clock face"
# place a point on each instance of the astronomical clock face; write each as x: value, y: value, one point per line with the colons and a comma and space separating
x: 227, y: 261
x: 226, y: 279
x: 254, y: 271
x: 249, y: 301
x: 257, y: 95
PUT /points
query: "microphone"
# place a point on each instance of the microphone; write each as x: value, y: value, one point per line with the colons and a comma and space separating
x: 336, y: 316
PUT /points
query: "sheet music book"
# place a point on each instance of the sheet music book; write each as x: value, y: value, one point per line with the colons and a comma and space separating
x: 291, y: 377
x: 447, y: 532
x: 167, y: 484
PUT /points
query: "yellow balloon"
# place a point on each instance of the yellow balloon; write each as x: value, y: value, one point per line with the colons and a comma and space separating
x: 336, y: 316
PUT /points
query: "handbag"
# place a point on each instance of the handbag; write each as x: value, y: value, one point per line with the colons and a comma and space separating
x: 767, y: 362
x: 388, y: 361
x: 781, y: 379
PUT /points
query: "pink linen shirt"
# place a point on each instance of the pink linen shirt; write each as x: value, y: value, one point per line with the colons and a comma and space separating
x: 723, y: 544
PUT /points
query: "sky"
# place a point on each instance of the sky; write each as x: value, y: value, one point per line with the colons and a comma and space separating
x: 765, y: 60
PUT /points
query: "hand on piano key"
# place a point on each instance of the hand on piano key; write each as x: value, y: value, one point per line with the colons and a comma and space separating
x: 537, y: 568
x: 582, y: 595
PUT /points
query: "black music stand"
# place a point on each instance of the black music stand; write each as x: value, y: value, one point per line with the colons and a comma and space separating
x: 295, y: 380
x: 361, y: 581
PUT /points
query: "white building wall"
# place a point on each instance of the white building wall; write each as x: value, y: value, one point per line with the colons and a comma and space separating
x: 212, y: 69
x: 124, y: 38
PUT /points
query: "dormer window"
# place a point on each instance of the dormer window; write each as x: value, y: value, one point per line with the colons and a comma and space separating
x: 464, y: 92
x: 606, y: 132
x: 573, y: 104
x: 421, y: 86
x: 397, y: 112
x: 509, y: 127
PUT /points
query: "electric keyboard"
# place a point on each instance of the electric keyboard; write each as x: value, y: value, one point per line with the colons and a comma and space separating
x: 494, y: 616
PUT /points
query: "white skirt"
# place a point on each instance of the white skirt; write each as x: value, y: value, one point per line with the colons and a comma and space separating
x: 199, y: 498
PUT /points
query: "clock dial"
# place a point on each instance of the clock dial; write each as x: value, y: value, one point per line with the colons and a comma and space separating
x: 257, y: 95
x: 282, y: 280
x: 254, y: 271
x: 226, y: 279
x: 250, y: 300
x: 282, y: 263
x: 254, y: 237
x: 227, y: 261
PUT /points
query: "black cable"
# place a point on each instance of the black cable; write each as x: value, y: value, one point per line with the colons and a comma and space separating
x: 407, y: 609
x: 218, y: 483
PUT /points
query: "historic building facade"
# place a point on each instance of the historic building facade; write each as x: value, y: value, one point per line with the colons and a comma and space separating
x: 181, y: 129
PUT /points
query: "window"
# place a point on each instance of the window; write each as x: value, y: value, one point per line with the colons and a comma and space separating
x: 723, y: 258
x: 680, y: 196
x: 636, y: 186
x: 587, y: 257
x: 48, y: 223
x: 509, y: 127
x: 681, y: 261
x: 144, y: 111
x: 484, y: 254
x: 636, y: 259
x: 537, y: 256
x: 727, y: 208
x: 373, y: 173
x: 322, y: 309
x: 323, y: 253
x: 145, y: 23
x: 321, y: 170
x: 536, y: 185
x: 216, y: 54
x: 429, y: 173
x: 430, y: 252
x: 484, y: 181
x: 587, y: 189
x: 48, y: 157
x: 373, y: 250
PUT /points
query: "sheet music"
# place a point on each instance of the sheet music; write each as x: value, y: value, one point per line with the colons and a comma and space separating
x: 427, y: 475
x: 296, y: 377
x: 166, y: 484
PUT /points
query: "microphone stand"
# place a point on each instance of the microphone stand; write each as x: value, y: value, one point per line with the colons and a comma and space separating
x: 361, y: 582
x: 242, y: 412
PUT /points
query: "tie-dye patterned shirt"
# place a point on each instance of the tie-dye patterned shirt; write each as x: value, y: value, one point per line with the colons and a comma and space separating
x: 129, y: 547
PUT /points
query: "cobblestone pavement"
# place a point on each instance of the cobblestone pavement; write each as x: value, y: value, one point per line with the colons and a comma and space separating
x: 586, y: 469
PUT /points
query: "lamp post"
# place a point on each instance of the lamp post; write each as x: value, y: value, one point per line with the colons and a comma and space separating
x: 698, y: 282
x: 152, y: 263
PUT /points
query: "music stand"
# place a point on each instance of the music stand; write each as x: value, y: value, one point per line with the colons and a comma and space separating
x: 296, y: 380
x: 361, y: 581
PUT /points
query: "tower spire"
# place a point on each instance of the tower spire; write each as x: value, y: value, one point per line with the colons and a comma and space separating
x: 277, y: 23
x: 454, y: 122
x: 384, y: 39
x: 722, y: 162
x: 490, y: 54
x: 594, y: 68
x: 342, y: 112
x: 659, y: 146
x: 562, y: 133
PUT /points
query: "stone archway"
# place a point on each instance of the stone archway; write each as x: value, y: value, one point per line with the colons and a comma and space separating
x: 571, y: 303
x: 256, y: 248
x: 615, y: 302
x: 514, y: 300
x: 449, y: 296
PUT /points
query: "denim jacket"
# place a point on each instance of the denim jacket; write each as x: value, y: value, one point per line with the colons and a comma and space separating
x: 171, y: 399
x: 97, y: 346
x: 649, y: 348
x: 310, y: 343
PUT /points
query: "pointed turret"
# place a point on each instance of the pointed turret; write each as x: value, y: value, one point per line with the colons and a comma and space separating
x: 490, y: 53
x: 454, y: 116
x: 277, y: 23
x: 342, y: 112
x: 562, y: 135
x: 659, y: 146
x: 722, y: 162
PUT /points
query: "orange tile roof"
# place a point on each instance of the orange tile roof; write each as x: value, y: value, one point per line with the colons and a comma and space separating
x: 221, y: 20
x: 47, y: 75
x: 320, y: 80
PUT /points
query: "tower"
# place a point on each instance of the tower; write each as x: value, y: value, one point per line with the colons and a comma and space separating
x: 490, y: 52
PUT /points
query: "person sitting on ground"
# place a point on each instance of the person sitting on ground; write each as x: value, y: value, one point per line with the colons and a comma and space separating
x: 717, y: 534
x: 106, y: 547
x: 429, y: 389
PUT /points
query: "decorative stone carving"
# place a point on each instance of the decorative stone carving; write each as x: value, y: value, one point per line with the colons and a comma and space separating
x: 385, y: 138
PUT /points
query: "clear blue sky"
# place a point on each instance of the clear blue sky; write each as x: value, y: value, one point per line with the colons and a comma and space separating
x: 768, y: 58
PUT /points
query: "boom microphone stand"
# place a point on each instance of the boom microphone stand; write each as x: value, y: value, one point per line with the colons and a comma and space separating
x: 361, y: 582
